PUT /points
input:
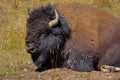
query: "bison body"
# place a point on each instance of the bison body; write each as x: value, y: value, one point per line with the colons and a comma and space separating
x: 83, y: 38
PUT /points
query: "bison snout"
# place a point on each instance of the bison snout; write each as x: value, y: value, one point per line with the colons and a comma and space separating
x: 31, y: 48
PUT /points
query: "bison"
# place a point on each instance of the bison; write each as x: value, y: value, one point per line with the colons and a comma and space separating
x: 75, y: 36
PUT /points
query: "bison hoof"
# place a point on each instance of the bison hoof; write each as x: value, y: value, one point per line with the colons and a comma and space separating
x: 39, y: 69
x: 107, y: 68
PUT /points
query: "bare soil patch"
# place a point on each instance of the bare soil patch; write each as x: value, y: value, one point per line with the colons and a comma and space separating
x: 63, y: 74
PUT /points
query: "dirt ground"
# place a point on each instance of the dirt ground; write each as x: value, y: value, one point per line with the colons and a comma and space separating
x: 63, y: 74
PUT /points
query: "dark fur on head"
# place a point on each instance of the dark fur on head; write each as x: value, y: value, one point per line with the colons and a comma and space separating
x: 44, y: 38
x: 45, y: 13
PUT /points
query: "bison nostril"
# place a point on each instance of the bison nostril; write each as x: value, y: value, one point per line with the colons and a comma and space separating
x: 30, y: 49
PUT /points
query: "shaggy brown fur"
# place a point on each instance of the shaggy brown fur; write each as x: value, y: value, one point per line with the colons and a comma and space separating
x: 95, y: 31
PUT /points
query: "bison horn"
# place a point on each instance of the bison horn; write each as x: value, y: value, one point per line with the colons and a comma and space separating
x: 55, y: 21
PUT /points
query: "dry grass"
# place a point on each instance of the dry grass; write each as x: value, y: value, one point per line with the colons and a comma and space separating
x: 13, y: 56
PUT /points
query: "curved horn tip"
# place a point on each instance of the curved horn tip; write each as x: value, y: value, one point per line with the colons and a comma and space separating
x: 55, y: 21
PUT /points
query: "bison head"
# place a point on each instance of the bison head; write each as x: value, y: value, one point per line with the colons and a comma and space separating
x: 46, y: 30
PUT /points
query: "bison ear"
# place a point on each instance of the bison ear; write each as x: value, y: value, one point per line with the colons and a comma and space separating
x: 28, y: 13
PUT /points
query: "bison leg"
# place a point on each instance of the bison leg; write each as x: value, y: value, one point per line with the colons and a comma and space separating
x: 110, y: 59
x: 106, y: 68
x: 43, y: 66
x: 42, y: 61
x: 40, y: 68
x: 81, y: 62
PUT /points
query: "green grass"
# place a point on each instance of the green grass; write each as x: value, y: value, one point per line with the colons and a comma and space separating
x: 13, y: 13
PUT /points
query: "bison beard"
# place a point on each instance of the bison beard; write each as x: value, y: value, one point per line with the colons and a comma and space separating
x: 74, y: 46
